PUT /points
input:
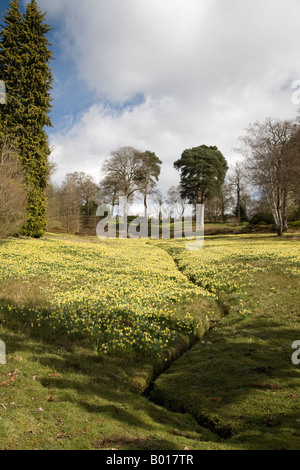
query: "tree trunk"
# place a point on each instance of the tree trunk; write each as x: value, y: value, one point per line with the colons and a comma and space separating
x: 280, y: 230
x: 239, y: 202
x: 222, y: 210
x: 145, y: 202
x: 284, y: 210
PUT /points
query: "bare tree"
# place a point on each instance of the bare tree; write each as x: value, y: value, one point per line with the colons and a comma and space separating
x: 236, y: 180
x: 53, y: 206
x: 214, y: 209
x: 294, y: 149
x: 89, y: 191
x: 70, y: 204
x: 121, y: 170
x: 175, y: 200
x: 109, y: 190
x: 271, y: 162
x: 227, y: 201
x: 159, y: 199
x: 127, y: 172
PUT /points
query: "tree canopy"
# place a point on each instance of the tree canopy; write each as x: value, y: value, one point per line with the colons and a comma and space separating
x: 203, y: 170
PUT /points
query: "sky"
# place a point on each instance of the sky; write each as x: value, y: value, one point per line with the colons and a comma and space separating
x: 166, y: 75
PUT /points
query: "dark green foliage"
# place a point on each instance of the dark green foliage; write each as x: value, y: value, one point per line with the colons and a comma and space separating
x: 203, y: 170
x: 293, y: 212
x: 24, y: 66
x: 262, y: 217
x: 241, y: 214
x: 11, y: 70
x: 295, y: 224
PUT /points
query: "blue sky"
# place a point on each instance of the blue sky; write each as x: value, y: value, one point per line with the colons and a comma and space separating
x: 70, y: 95
x: 166, y: 75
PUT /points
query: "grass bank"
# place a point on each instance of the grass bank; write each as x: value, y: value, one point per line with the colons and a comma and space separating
x: 235, y: 390
x: 240, y: 381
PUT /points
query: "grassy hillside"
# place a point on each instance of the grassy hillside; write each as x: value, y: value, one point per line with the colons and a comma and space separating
x: 239, y: 380
x: 88, y: 325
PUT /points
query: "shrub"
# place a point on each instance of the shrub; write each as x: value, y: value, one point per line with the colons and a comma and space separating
x: 295, y: 224
x: 260, y: 217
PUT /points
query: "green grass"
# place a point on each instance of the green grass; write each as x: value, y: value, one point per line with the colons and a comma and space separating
x: 235, y: 389
x: 240, y: 380
x: 55, y: 393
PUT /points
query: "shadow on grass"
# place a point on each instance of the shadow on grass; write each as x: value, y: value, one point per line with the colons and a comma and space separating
x: 241, y: 380
x: 240, y: 383
x: 76, y: 376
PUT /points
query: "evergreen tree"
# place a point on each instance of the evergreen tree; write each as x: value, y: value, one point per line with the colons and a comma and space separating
x: 11, y: 72
x: 203, y: 170
x: 240, y: 212
x: 24, y: 66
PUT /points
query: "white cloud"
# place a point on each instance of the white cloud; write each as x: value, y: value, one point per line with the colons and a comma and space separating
x: 207, y: 69
x: 86, y: 145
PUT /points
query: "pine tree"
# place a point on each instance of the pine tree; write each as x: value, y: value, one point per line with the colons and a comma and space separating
x: 11, y: 72
x: 240, y: 213
x: 24, y: 66
x: 203, y: 170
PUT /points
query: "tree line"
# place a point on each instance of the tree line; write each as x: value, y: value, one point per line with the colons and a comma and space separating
x: 262, y: 187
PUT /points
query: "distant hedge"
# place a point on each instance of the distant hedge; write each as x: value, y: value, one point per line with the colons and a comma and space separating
x: 262, y: 217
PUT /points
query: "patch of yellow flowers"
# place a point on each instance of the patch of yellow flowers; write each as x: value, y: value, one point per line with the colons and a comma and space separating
x: 230, y: 263
x: 122, y: 292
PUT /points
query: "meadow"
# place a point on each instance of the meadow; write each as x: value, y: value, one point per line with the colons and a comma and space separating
x: 140, y: 344
x: 120, y: 293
